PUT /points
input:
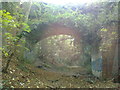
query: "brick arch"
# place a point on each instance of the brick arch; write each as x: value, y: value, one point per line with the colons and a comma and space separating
x: 55, y: 29
x: 51, y: 30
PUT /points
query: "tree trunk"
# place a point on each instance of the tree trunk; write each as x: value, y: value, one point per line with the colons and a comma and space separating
x: 8, y: 63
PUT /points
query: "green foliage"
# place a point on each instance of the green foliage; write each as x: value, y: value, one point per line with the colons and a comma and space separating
x: 83, y: 16
x: 87, y: 19
x: 104, y: 29
x: 10, y: 7
x: 12, y: 29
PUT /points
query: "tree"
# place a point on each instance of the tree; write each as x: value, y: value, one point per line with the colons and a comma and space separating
x: 14, y: 16
x: 12, y: 29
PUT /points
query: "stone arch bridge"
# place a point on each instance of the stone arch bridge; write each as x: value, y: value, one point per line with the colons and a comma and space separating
x: 44, y: 31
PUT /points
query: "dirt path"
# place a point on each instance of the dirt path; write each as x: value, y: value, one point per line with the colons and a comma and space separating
x: 28, y: 76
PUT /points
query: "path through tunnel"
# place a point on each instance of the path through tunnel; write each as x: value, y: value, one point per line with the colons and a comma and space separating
x: 60, y: 53
x: 59, y: 48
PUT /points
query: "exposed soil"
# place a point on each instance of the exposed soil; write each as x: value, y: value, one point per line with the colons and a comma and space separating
x: 28, y: 76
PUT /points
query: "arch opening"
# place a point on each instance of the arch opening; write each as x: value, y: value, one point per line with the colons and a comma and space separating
x: 58, y: 48
x: 60, y: 53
